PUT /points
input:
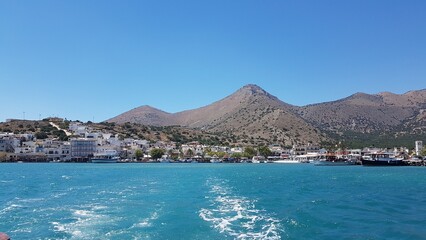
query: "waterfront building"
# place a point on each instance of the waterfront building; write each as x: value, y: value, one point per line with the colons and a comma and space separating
x: 419, y: 147
x: 302, y: 150
x: 298, y: 150
x: 276, y: 149
x: 7, y: 144
x: 310, y: 148
x: 25, y: 147
x: 82, y: 148
x: 65, y: 151
x: 57, y: 150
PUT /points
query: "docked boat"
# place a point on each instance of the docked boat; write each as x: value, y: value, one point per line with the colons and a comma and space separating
x: 285, y: 161
x: 258, y: 159
x: 108, y: 156
x: 333, y: 160
x: 165, y: 160
x: 307, y: 158
x: 381, y: 159
x: 215, y: 160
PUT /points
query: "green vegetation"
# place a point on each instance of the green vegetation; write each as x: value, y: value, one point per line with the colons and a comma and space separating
x: 264, y: 151
x: 138, y: 154
x: 189, y: 153
x: 350, y: 139
x: 61, y: 135
x: 41, y: 135
x: 249, y: 152
x: 217, y: 154
x: 156, y: 153
x: 64, y: 125
x: 237, y: 155
x: 423, y: 152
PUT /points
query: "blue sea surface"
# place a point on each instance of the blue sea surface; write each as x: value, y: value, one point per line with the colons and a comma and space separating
x: 211, y: 201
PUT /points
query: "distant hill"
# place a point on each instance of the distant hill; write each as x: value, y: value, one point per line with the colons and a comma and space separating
x: 365, y: 113
x: 146, y: 115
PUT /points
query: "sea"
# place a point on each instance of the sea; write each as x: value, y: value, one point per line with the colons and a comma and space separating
x: 211, y: 201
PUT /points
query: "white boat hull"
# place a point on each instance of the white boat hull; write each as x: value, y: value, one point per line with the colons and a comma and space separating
x: 286, y: 161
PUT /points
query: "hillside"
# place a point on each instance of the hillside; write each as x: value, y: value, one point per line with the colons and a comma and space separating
x: 365, y: 113
x: 42, y: 129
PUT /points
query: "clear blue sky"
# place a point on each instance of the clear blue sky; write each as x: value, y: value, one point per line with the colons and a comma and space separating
x: 96, y: 59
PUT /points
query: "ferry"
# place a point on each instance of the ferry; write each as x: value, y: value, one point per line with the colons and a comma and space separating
x: 108, y: 156
x: 381, y: 159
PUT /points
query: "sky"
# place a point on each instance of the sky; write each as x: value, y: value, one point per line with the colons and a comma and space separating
x: 91, y: 60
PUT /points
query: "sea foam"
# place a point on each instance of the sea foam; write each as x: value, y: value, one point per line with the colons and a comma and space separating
x: 237, y: 216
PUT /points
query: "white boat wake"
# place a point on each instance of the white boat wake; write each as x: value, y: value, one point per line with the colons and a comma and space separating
x: 238, y: 216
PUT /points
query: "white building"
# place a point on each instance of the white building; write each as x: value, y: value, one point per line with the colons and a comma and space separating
x: 78, y: 129
x: 7, y: 145
x: 276, y: 149
x: 237, y: 150
x: 419, y: 147
x: 57, y: 150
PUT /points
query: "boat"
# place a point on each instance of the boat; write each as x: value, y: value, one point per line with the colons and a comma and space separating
x: 215, y: 159
x: 108, y: 156
x: 306, y: 158
x: 165, y: 160
x: 381, y: 159
x: 333, y: 160
x: 258, y: 159
x: 286, y: 161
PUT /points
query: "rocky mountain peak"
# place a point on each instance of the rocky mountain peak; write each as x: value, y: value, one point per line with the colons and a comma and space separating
x: 252, y: 89
x: 148, y: 108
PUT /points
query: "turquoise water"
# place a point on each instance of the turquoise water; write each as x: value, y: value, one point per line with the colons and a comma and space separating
x: 211, y: 201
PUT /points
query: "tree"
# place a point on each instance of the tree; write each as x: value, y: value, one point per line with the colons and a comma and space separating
x: 189, y: 153
x: 156, y: 153
x: 61, y: 135
x: 264, y: 151
x: 138, y: 154
x: 41, y: 135
x: 220, y: 154
x: 423, y: 153
x: 249, y: 152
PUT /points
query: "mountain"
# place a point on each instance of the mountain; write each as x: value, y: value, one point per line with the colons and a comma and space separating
x: 367, y: 113
x: 146, y: 115
x: 250, y: 113
x: 253, y: 116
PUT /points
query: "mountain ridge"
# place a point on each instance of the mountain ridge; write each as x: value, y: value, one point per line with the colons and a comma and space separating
x: 254, y: 114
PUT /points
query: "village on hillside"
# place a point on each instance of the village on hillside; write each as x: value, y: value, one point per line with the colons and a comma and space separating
x: 80, y: 143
